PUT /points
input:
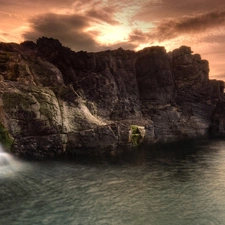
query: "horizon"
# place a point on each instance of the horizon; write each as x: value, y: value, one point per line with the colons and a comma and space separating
x: 98, y: 25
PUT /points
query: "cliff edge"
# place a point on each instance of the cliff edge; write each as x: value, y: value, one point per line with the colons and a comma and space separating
x: 56, y: 101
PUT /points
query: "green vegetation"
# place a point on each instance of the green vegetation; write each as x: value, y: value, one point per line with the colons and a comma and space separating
x: 5, y: 139
x: 135, y: 136
x: 13, y: 99
x: 46, y: 101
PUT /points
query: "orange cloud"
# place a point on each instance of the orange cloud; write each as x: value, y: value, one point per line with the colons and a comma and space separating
x: 95, y: 25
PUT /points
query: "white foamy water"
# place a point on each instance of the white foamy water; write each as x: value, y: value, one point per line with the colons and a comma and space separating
x: 8, y: 164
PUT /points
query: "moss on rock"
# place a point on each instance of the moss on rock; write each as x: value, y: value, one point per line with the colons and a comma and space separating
x: 12, y: 100
x: 135, y: 135
x: 5, y: 138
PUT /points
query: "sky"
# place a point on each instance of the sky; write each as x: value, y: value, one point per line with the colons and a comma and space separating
x: 96, y: 25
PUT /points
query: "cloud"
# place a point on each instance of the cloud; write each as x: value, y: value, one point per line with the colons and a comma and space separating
x: 125, y: 45
x: 188, y: 25
x: 214, y: 38
x: 159, y: 9
x: 104, y: 14
x: 138, y: 36
x: 69, y: 29
x: 95, y: 25
x: 11, y: 4
x: 77, y: 30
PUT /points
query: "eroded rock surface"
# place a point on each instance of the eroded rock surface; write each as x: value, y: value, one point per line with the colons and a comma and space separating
x: 55, y: 101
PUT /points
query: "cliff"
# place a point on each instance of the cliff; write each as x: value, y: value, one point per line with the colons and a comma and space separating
x: 55, y: 101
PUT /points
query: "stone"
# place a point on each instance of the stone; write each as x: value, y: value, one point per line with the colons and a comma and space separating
x: 55, y: 101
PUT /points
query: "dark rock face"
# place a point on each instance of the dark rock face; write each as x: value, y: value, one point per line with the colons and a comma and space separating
x: 55, y: 101
x: 105, y: 78
x: 154, y: 76
x: 217, y: 127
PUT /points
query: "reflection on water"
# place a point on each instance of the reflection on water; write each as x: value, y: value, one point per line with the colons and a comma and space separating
x: 179, y: 184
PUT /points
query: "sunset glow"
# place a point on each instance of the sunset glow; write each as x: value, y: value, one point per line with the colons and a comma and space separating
x: 113, y: 34
x: 97, y: 25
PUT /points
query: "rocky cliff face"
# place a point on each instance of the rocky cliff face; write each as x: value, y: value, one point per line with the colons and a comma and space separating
x: 56, y: 101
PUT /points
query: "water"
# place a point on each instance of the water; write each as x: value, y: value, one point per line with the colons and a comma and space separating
x: 8, y: 164
x: 182, y: 184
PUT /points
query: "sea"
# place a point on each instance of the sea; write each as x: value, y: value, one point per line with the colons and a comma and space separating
x: 180, y: 183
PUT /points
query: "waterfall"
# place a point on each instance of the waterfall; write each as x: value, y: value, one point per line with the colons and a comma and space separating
x: 5, y: 158
x: 8, y: 164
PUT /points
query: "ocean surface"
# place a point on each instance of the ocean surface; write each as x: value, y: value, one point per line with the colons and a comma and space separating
x: 173, y: 184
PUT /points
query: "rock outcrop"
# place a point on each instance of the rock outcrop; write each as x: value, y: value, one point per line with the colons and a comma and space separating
x: 55, y: 101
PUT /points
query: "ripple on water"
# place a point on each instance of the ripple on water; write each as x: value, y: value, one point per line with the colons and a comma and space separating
x: 160, y: 190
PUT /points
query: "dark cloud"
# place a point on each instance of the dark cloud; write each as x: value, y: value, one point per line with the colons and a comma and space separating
x: 138, y: 36
x: 197, y: 23
x: 172, y: 28
x: 74, y: 30
x: 104, y: 14
x: 189, y: 25
x: 69, y: 29
x: 51, y: 22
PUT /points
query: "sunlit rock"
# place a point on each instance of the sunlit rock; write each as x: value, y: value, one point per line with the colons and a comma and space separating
x: 55, y: 101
